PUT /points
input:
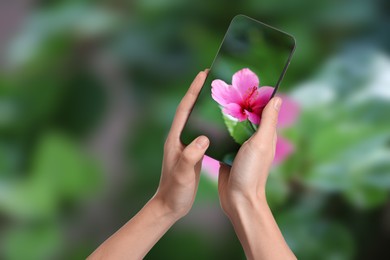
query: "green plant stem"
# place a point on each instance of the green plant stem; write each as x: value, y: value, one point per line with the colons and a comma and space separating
x: 252, y: 126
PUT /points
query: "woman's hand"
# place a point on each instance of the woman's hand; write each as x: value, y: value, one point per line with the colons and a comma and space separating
x: 239, y: 189
x: 182, y: 164
x: 247, y: 177
x: 175, y: 194
x: 242, y: 191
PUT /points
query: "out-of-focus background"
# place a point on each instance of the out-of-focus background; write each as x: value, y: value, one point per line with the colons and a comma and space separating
x: 88, y: 90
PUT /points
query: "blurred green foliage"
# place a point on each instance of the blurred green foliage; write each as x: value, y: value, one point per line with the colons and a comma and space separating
x: 62, y: 188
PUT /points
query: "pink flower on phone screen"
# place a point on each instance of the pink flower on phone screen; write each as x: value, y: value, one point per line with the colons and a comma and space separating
x: 288, y: 114
x: 243, y: 99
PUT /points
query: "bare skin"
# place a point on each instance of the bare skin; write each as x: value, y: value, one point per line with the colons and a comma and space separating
x: 241, y: 190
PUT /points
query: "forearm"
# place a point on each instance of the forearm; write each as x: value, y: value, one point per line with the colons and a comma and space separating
x: 258, y: 232
x: 138, y: 235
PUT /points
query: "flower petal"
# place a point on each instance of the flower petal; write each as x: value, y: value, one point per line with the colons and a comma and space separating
x: 259, y: 102
x: 283, y: 149
x: 235, y: 111
x: 244, y: 79
x: 223, y: 93
x: 254, y: 117
x: 288, y: 113
x: 262, y: 97
x: 210, y: 166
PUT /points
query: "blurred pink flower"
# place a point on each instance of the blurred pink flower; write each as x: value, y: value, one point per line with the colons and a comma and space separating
x: 210, y: 166
x: 243, y: 99
x: 287, y: 116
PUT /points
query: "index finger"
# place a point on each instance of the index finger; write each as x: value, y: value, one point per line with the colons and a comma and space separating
x: 185, y: 106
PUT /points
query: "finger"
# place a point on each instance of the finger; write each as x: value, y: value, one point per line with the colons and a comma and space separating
x: 265, y: 134
x: 193, y: 153
x: 186, y: 104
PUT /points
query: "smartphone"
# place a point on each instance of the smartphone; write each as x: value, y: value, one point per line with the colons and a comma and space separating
x: 245, y: 74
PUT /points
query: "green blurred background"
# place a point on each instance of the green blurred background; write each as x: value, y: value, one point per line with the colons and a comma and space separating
x: 88, y: 90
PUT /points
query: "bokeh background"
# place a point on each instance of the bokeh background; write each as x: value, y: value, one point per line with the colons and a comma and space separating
x: 88, y: 90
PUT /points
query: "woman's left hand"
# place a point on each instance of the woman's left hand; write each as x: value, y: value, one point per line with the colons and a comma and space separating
x: 182, y: 164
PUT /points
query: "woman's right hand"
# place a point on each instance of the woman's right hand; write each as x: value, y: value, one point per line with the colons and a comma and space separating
x: 245, y: 180
x: 241, y: 191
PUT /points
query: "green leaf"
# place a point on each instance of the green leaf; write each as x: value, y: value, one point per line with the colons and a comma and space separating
x: 312, y: 237
x: 40, y: 241
x: 24, y: 200
x: 240, y: 131
x: 361, y: 177
x: 61, y: 164
x: 277, y: 190
x: 366, y: 196
x: 61, y: 171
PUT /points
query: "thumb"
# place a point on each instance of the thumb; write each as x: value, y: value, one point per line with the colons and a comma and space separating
x: 269, y: 120
x: 194, y: 152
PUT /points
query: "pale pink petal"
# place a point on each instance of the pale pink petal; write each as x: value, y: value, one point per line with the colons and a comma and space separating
x: 259, y: 102
x: 288, y: 113
x: 223, y: 93
x: 283, y: 149
x: 219, y: 92
x: 235, y: 111
x: 244, y: 79
x: 210, y: 166
x: 263, y: 96
x: 254, y: 117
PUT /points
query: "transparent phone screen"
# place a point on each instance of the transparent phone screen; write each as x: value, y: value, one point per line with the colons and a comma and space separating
x: 246, y: 72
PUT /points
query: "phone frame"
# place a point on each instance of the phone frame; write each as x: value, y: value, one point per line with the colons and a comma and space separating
x: 276, y: 87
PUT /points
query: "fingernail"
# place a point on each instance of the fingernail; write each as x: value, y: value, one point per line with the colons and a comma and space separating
x: 277, y: 103
x: 207, y: 70
x: 202, y: 141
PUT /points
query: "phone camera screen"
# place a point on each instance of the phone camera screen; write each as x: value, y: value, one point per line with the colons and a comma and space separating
x: 244, y: 76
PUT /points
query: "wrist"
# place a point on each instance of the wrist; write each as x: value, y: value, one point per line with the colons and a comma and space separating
x: 257, y: 230
x: 161, y: 211
x: 245, y: 202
